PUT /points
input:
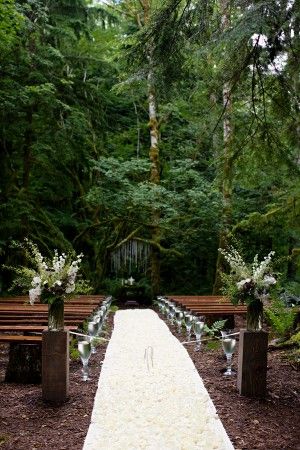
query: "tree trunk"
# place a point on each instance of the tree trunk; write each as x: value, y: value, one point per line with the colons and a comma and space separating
x: 27, y: 156
x: 227, y: 162
x: 155, y: 163
x: 25, y: 364
x: 154, y: 178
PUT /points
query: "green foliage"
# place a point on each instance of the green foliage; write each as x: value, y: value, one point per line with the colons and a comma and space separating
x: 230, y: 289
x: 97, y: 341
x: 73, y: 350
x: 294, y: 358
x: 281, y: 318
x: 84, y: 327
x: 48, y: 278
x: 212, y: 345
x: 74, y: 140
x: 52, y: 122
x: 115, y: 288
x: 294, y: 355
x: 295, y: 339
x: 10, y: 23
x: 215, y: 328
x: 112, y: 287
x: 291, y: 294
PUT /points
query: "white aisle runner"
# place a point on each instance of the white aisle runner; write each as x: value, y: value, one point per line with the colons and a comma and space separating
x: 160, y: 407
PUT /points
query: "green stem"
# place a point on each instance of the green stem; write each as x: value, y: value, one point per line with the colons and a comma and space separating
x: 255, y: 315
x: 56, y: 315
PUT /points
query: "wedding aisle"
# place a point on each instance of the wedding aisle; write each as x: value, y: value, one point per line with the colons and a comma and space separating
x: 150, y: 395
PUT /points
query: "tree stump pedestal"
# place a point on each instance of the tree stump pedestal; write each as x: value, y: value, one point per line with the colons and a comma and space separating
x: 55, y: 366
x: 24, y: 364
x: 252, y: 363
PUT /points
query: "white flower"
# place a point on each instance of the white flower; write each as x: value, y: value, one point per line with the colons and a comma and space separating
x: 36, y: 281
x: 258, y: 275
x: 70, y: 288
x: 260, y: 270
x: 241, y: 283
x: 53, y: 275
x: 269, y: 280
x: 34, y: 294
x: 236, y: 262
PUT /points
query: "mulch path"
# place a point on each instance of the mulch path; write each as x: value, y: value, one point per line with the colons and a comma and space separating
x: 27, y: 423
x: 271, y: 424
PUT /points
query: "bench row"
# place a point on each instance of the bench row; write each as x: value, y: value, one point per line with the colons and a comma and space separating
x: 212, y: 307
x: 17, y: 317
x: 78, y: 300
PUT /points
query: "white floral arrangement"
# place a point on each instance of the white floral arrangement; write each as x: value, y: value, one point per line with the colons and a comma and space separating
x: 50, y: 278
x: 55, y: 277
x: 246, y: 282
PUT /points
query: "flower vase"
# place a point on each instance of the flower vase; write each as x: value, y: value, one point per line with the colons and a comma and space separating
x: 255, y: 315
x: 56, y: 314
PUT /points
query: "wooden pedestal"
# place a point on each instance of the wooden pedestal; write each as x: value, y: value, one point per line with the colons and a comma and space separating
x: 55, y: 366
x: 252, y: 363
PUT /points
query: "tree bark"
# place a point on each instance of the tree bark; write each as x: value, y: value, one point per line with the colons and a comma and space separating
x: 142, y: 17
x: 27, y: 151
x: 227, y: 162
x: 25, y: 364
x: 154, y: 178
x: 155, y: 162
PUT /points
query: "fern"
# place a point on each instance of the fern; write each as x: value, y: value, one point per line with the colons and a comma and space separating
x: 281, y: 318
x: 215, y: 328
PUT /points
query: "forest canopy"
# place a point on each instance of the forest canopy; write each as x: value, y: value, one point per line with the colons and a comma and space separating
x: 171, y: 123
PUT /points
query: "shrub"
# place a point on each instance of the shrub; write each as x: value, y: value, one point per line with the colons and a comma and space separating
x: 281, y: 318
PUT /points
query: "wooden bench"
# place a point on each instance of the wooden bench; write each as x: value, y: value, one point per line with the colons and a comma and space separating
x: 41, y: 312
x: 38, y: 322
x: 212, y: 307
x: 201, y: 299
x: 19, y: 310
x: 206, y: 302
x: 31, y: 328
x: 21, y: 339
x: 198, y: 298
x: 19, y: 320
x: 78, y: 300
x: 13, y: 311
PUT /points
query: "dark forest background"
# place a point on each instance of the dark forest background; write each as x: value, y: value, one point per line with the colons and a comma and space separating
x: 78, y: 170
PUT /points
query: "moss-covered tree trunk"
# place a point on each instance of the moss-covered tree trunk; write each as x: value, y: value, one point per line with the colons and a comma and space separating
x: 227, y: 161
x: 27, y: 152
x: 154, y: 178
x: 155, y: 162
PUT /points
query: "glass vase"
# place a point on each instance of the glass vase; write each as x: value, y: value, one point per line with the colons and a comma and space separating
x: 255, y: 315
x: 56, y: 315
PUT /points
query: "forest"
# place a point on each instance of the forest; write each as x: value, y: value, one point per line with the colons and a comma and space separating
x: 148, y: 134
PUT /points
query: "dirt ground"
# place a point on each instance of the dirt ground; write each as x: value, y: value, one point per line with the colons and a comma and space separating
x: 268, y: 424
x: 271, y: 424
